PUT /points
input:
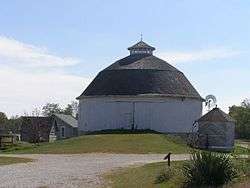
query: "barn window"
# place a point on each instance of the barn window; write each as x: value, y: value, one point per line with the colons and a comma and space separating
x: 62, y: 132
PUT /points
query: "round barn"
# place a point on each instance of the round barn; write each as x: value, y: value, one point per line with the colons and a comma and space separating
x: 139, y: 91
x: 216, y: 131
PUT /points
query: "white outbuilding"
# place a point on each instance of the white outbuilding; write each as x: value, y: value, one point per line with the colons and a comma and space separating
x: 139, y: 91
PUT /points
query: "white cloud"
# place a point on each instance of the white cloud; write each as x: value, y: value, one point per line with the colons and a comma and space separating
x: 22, y: 88
x: 199, y: 55
x: 16, y: 52
x: 24, y: 91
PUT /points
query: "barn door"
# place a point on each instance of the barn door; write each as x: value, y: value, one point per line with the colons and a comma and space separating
x: 118, y: 115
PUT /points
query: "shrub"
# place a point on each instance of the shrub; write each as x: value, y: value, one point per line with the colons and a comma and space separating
x: 209, y: 169
x: 165, y: 175
x: 243, y: 166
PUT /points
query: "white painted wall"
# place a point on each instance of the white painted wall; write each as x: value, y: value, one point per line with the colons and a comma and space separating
x: 163, y: 114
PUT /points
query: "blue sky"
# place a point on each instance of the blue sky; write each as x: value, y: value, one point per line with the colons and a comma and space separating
x: 51, y: 50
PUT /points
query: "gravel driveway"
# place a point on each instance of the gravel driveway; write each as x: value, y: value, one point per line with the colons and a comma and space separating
x: 71, y: 171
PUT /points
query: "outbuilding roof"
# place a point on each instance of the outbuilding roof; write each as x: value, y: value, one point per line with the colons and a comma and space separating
x: 141, y: 74
x: 70, y: 120
x: 216, y: 115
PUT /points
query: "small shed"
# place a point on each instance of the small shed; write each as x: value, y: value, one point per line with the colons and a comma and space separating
x: 63, y: 126
x: 216, y: 131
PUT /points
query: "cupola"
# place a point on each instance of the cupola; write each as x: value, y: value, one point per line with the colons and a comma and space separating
x: 141, y: 48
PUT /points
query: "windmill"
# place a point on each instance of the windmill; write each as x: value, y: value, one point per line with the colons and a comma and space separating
x: 210, y: 102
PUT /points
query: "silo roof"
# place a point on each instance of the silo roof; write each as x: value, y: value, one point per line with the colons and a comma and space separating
x: 216, y: 115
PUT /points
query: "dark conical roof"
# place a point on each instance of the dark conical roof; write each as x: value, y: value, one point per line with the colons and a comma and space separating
x: 141, y: 74
x: 216, y: 115
x: 141, y: 61
x: 141, y: 44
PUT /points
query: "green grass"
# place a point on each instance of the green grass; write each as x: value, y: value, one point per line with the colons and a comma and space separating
x: 13, y: 160
x: 117, y: 142
x: 145, y: 176
x: 107, y: 143
x: 238, y: 150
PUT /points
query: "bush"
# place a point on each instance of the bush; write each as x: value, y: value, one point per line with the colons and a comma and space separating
x: 209, y: 169
x: 165, y: 175
x: 243, y: 166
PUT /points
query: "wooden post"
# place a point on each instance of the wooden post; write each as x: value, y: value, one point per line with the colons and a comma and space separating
x: 167, y: 157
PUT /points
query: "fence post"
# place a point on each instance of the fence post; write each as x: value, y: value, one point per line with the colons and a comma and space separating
x: 167, y: 157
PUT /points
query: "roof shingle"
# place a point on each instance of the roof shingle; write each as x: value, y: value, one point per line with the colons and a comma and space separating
x: 216, y: 115
x: 70, y: 120
x: 141, y: 74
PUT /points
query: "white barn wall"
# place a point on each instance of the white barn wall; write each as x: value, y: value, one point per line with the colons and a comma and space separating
x: 163, y: 114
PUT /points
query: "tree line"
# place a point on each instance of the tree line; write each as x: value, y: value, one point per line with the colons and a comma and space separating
x: 13, y: 123
x: 241, y: 114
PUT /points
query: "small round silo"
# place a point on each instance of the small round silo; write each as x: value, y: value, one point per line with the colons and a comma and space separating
x: 216, y: 131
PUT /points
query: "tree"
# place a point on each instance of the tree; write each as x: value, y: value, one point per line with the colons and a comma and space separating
x: 74, y: 105
x: 36, y: 112
x: 51, y: 108
x: 246, y: 103
x: 68, y: 110
x: 242, y: 116
x: 71, y: 109
x: 3, y: 118
x: 14, y: 124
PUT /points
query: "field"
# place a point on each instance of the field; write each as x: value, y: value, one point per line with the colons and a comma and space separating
x: 107, y: 143
x: 13, y: 160
x: 145, y: 176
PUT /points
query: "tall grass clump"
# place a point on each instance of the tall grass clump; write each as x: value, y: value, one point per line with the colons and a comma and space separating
x: 165, y: 175
x: 209, y: 169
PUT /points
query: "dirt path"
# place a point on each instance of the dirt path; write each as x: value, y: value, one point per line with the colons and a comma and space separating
x: 71, y: 171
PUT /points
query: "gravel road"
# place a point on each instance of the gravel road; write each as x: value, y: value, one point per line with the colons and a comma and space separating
x: 70, y: 171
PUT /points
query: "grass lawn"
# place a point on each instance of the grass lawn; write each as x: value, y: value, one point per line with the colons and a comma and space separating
x: 239, y: 150
x: 107, y: 143
x: 145, y: 176
x: 127, y: 143
x: 13, y: 160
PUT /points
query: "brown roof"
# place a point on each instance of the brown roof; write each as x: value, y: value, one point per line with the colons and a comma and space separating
x: 216, y: 115
x: 141, y: 74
